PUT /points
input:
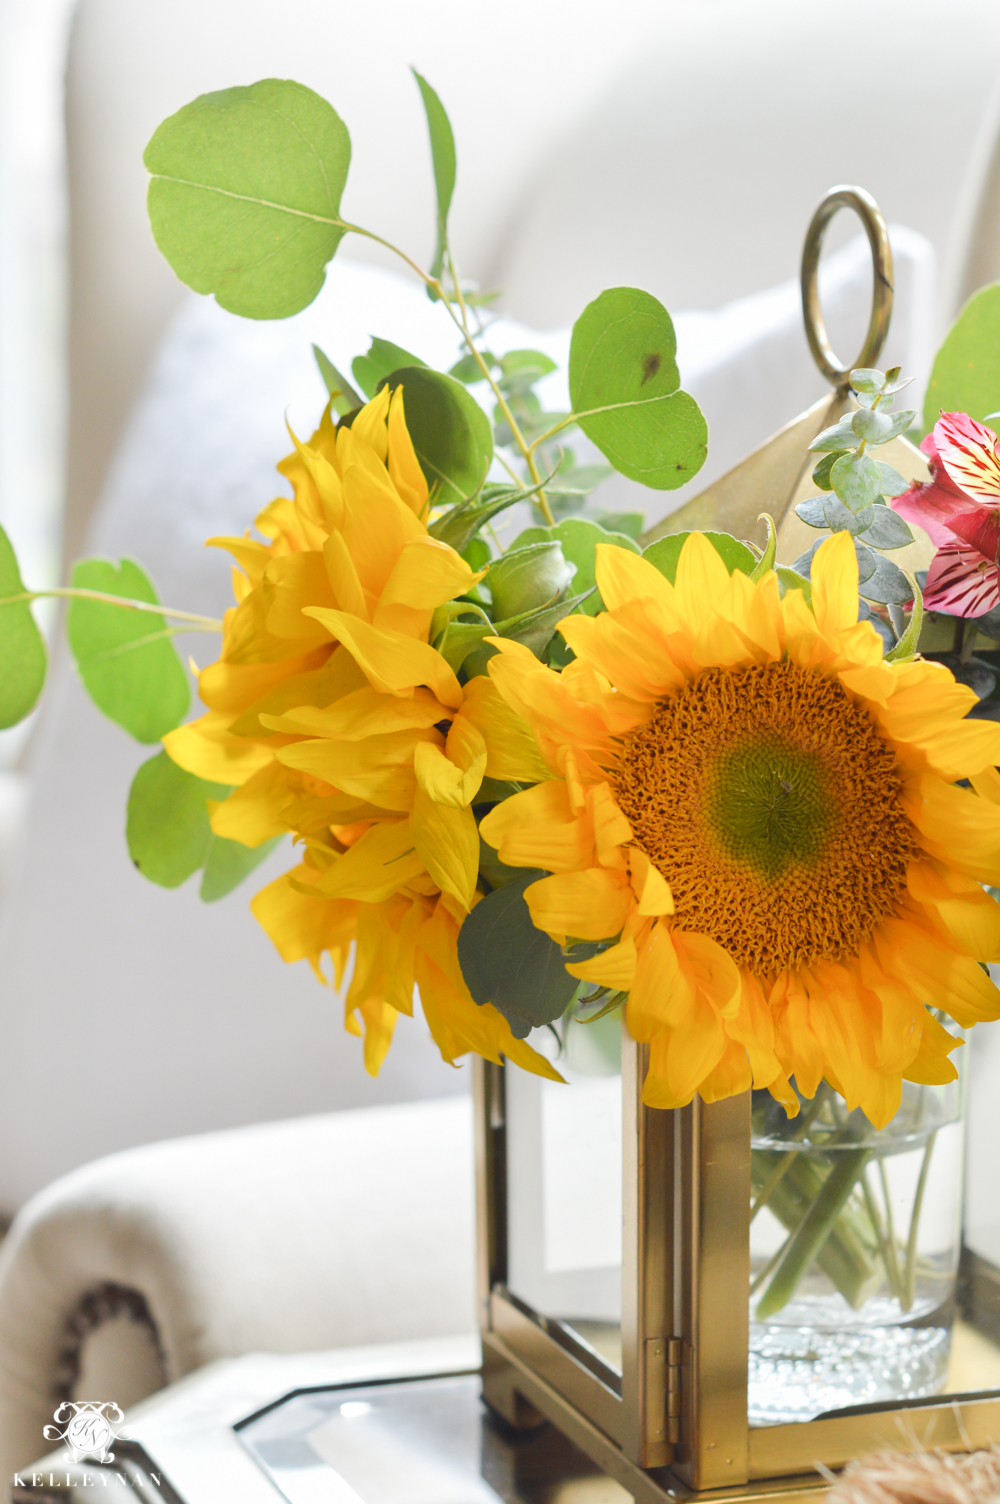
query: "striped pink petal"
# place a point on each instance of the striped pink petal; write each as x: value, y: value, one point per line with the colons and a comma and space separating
x: 961, y: 582
x: 968, y: 452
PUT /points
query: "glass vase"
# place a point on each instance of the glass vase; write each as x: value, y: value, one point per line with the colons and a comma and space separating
x: 854, y: 1245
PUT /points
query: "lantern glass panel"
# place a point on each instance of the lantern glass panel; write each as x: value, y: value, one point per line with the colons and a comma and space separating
x: 564, y: 1187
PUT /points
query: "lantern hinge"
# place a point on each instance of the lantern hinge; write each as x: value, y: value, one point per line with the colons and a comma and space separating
x: 675, y: 1353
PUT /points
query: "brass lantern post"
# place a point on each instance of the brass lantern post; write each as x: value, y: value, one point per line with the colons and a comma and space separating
x: 659, y: 1399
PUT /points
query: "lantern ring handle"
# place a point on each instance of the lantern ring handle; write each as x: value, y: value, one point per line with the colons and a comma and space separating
x: 868, y: 212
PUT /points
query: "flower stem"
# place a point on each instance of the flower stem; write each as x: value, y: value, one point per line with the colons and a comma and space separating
x: 69, y: 592
x: 911, y: 1241
x: 788, y: 1157
x: 461, y: 322
x: 813, y: 1231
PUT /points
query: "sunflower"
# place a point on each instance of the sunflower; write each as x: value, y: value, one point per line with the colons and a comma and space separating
x: 764, y: 822
x: 333, y: 718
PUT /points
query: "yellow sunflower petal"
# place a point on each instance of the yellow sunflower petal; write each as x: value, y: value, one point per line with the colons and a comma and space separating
x: 702, y: 579
x: 206, y: 748
x: 931, y: 1066
x: 834, y: 576
x: 364, y: 713
x: 936, y: 972
x: 392, y: 662
x: 614, y: 967
x: 537, y: 828
x: 752, y: 1027
x: 345, y: 585
x: 590, y: 905
x: 957, y: 826
x: 650, y: 886
x: 378, y: 865
x: 426, y: 574
x: 369, y: 425
x: 511, y: 751
x: 664, y: 988
x: 303, y: 925
x: 404, y: 467
x: 253, y: 813
x: 447, y: 841
x: 623, y: 576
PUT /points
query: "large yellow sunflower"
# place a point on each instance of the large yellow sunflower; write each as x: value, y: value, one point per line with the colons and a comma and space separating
x: 336, y: 720
x: 765, y: 818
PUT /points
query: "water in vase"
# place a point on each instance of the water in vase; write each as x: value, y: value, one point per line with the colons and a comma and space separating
x: 854, y: 1245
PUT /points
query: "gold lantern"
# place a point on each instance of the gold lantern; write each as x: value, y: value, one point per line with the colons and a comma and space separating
x: 647, y: 1373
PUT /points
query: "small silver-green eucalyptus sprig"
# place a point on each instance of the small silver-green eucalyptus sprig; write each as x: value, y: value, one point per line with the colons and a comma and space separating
x: 857, y: 486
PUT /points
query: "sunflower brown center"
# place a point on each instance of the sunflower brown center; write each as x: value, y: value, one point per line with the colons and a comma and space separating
x: 770, y: 802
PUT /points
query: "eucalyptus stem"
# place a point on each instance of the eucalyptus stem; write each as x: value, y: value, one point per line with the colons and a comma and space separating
x: 812, y: 1232
x: 788, y: 1157
x: 462, y: 324
x: 890, y: 1227
x: 72, y: 592
x: 911, y: 1241
x: 886, y: 1249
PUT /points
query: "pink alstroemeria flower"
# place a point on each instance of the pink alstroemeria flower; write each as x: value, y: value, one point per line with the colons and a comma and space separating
x: 959, y: 509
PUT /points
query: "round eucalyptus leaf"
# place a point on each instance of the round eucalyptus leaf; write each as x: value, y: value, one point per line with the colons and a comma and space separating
x: 506, y: 961
x: 245, y: 195
x: 450, y: 432
x: 624, y: 386
x: 22, y: 647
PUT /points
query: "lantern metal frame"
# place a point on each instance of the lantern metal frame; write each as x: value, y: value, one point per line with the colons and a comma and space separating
x: 674, y: 1423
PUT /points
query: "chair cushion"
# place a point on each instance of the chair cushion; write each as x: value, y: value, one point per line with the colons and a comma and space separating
x: 324, y: 1232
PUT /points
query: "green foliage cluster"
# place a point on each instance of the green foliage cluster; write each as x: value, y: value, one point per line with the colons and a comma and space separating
x: 856, y: 486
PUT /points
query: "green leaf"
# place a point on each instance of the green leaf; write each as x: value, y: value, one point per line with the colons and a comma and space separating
x: 169, y: 835
x: 791, y: 579
x: 506, y: 961
x: 245, y: 197
x: 887, y: 584
x: 477, y: 553
x: 908, y: 645
x: 528, y: 578
x: 450, y: 432
x: 872, y: 425
x: 382, y: 359
x: 864, y: 380
x: 443, y: 158
x: 966, y: 373
x: 228, y: 863
x: 840, y: 436
x: 813, y: 511
x: 821, y: 474
x: 468, y: 369
x: 886, y: 530
x: 892, y: 483
x: 343, y: 397
x: 665, y: 552
x: 579, y: 538
x: 840, y: 519
x: 22, y: 647
x: 462, y: 522
x: 856, y: 480
x: 126, y: 658
x: 624, y: 386
x: 520, y: 369
x: 899, y: 423
x: 536, y: 628
x: 167, y: 825
x: 629, y: 523
x: 767, y: 558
